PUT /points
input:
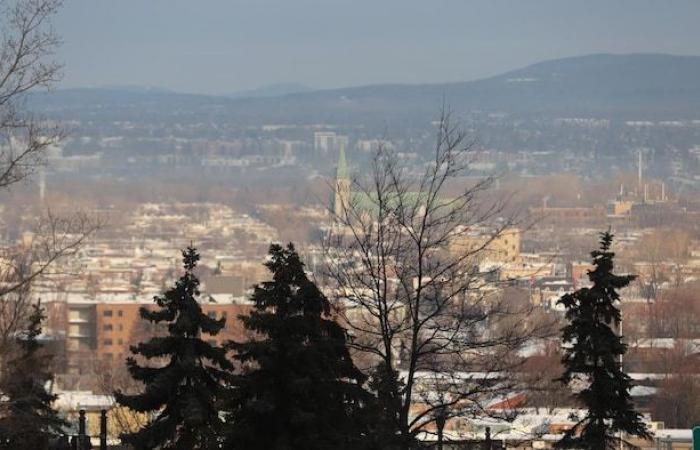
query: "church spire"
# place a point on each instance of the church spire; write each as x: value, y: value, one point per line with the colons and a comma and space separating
x: 342, y: 184
x: 341, y: 172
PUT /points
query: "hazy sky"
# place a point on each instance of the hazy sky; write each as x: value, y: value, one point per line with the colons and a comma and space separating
x: 222, y: 46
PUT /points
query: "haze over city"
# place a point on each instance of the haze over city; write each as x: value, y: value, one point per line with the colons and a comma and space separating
x: 221, y: 47
x: 314, y: 225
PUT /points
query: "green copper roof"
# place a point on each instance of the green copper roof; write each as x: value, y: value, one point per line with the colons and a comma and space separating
x: 367, y: 201
x: 341, y: 172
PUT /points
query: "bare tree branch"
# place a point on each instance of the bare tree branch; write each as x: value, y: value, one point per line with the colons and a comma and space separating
x: 54, y: 240
x: 27, y: 44
x: 411, y: 301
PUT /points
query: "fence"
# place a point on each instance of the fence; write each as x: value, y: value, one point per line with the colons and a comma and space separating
x: 82, y: 441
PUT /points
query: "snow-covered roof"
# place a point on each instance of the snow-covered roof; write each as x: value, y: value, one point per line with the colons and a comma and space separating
x: 75, y: 400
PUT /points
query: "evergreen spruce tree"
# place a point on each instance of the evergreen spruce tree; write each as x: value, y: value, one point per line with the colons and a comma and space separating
x: 299, y: 388
x: 384, y: 414
x: 187, y: 375
x: 28, y: 418
x: 592, y: 355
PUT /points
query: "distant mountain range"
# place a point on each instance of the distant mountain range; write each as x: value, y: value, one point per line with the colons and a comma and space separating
x: 601, y: 85
x: 272, y: 90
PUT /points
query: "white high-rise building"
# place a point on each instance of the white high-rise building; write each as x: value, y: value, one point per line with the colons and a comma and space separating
x: 329, y: 141
x: 324, y: 140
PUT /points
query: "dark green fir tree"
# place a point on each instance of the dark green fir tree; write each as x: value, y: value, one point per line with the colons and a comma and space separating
x: 28, y: 418
x: 384, y: 413
x: 298, y: 388
x: 592, y: 352
x: 186, y: 374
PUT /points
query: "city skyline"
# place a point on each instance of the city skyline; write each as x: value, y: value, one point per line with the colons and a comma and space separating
x: 350, y: 225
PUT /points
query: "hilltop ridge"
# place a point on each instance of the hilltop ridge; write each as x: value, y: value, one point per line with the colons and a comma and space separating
x: 630, y: 85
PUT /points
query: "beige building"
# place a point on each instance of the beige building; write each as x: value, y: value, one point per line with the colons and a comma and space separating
x: 620, y: 207
x: 503, y: 248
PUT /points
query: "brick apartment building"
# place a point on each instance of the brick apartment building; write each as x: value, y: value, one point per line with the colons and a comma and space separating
x: 102, y: 330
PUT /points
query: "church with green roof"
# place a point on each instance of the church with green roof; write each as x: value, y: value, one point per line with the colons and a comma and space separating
x: 344, y: 198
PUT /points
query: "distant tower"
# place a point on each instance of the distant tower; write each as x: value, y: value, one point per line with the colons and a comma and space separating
x: 42, y: 184
x: 342, y: 184
x: 640, y: 168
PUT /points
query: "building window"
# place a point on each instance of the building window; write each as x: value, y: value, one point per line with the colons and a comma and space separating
x: 107, y: 313
x: 120, y: 313
x: 107, y: 342
x: 120, y: 342
x: 107, y: 327
x: 120, y: 327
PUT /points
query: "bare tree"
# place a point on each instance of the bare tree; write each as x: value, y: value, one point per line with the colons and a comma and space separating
x: 111, y: 376
x: 663, y: 253
x: 27, y: 44
x: 414, y: 304
x: 540, y: 373
x: 43, y: 253
x: 677, y: 401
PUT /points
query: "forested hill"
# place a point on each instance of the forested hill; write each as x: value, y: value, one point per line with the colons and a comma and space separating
x: 634, y: 86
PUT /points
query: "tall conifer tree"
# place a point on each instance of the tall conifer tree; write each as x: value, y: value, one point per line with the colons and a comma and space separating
x: 187, y: 375
x: 385, y: 412
x: 299, y: 388
x: 592, y: 356
x: 28, y: 418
